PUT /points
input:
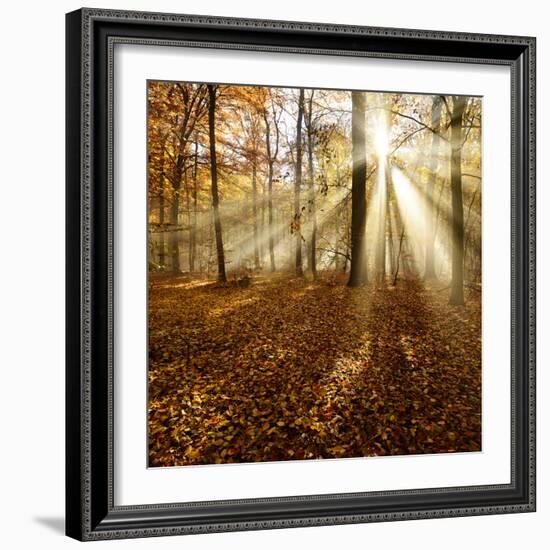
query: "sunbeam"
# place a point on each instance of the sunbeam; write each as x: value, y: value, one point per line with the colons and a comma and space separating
x: 414, y: 210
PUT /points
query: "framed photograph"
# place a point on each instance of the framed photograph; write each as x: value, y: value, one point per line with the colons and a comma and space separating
x: 300, y: 274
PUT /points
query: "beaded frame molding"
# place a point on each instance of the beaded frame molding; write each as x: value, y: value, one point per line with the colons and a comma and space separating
x: 90, y: 510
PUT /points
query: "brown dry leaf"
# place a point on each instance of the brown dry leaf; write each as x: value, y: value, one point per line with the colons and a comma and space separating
x: 287, y: 369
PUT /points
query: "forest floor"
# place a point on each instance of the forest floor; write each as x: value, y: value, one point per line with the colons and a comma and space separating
x: 291, y: 369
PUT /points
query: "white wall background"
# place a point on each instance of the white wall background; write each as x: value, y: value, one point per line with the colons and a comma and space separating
x: 32, y: 291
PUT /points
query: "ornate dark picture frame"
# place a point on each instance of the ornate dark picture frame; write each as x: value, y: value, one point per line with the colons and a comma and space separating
x: 90, y: 510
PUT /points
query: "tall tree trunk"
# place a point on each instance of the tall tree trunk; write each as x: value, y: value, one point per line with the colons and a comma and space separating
x: 471, y: 243
x: 312, y: 246
x: 262, y: 222
x: 457, y: 280
x: 255, y: 216
x: 429, y: 266
x: 193, y: 234
x: 188, y: 208
x: 391, y: 244
x: 358, y: 271
x: 438, y: 209
x: 174, y: 215
x: 396, y: 272
x: 271, y: 157
x: 339, y: 247
x: 298, y: 185
x: 382, y: 221
x: 162, y: 252
x: 270, y: 215
x: 214, y: 182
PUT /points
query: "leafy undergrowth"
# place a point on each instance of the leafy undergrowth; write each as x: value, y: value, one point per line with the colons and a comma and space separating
x: 289, y: 369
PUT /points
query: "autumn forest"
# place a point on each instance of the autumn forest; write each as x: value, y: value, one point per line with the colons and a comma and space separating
x: 314, y: 273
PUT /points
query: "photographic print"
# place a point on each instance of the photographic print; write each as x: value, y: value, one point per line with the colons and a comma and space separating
x: 300, y: 268
x: 314, y: 273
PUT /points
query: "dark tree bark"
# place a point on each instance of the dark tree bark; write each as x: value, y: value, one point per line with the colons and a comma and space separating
x: 457, y: 280
x: 396, y: 272
x: 298, y: 186
x: 193, y: 233
x: 358, y: 270
x: 174, y: 215
x: 438, y: 210
x: 472, y: 243
x: 272, y: 153
x: 162, y: 252
x: 188, y: 210
x: 212, y: 90
x: 312, y: 245
x: 270, y: 214
x: 391, y: 251
x: 255, y: 215
x: 429, y: 266
x: 382, y: 223
x: 263, y: 211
